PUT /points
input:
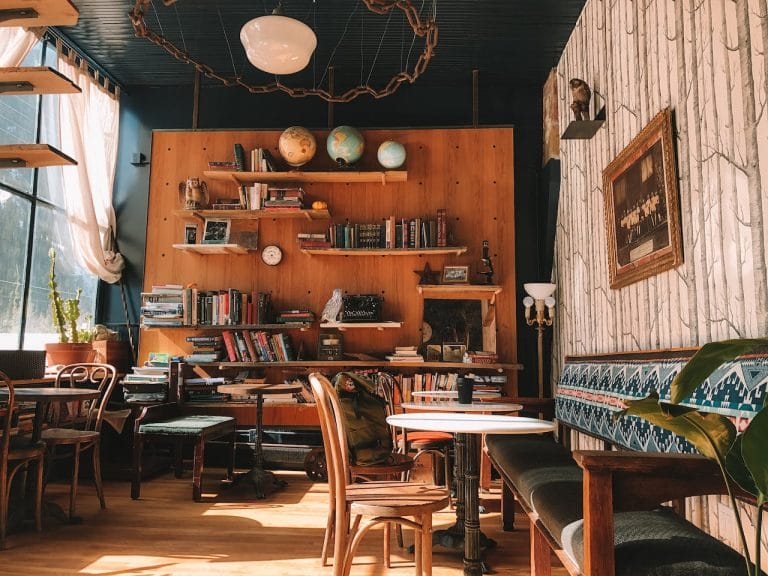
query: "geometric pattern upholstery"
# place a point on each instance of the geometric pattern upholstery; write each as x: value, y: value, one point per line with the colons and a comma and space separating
x: 192, y: 425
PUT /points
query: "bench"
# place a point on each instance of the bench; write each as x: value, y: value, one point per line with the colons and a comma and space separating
x: 165, y: 423
x: 601, y: 511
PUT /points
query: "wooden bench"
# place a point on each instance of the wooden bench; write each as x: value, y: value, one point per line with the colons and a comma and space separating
x: 601, y: 511
x: 165, y: 423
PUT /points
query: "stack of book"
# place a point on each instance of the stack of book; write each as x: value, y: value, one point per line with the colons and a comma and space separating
x: 405, y: 354
x: 205, y: 349
x: 309, y: 240
x: 284, y: 199
x: 203, y: 390
x: 481, y: 357
x: 150, y: 382
x: 228, y: 165
x: 163, y: 307
x: 294, y: 316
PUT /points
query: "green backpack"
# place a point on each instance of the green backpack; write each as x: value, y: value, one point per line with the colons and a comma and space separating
x: 368, y: 435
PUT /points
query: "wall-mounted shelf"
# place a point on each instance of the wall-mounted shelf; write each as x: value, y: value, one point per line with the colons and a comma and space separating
x: 252, y: 214
x: 32, y: 156
x: 350, y: 325
x: 303, y: 326
x: 36, y: 80
x: 456, y: 250
x: 36, y: 13
x: 212, y: 248
x: 584, y: 129
x: 459, y: 291
x: 340, y: 176
x: 362, y: 363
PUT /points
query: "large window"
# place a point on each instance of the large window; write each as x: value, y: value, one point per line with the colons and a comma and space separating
x: 32, y: 220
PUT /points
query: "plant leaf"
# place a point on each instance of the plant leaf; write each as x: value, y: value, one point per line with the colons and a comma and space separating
x: 706, y: 360
x: 737, y: 469
x: 711, y: 434
x: 753, y: 450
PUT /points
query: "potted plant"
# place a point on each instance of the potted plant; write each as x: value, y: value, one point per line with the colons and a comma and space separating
x: 74, y: 343
x: 741, y: 456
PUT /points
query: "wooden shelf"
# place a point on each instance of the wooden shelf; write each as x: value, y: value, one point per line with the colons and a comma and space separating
x: 384, y: 251
x: 37, y: 80
x: 208, y: 249
x: 459, y: 291
x: 35, y: 13
x: 362, y: 363
x: 287, y: 326
x: 340, y: 176
x: 349, y: 325
x: 251, y: 214
x: 32, y: 156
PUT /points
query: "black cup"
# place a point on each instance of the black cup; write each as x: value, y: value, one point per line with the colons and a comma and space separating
x: 464, y: 387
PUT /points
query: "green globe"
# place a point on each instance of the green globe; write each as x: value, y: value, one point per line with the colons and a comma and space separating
x: 297, y: 146
x: 345, y: 145
x: 391, y: 154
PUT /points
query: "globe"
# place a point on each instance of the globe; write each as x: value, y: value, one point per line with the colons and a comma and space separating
x: 297, y: 146
x: 391, y: 154
x: 345, y: 145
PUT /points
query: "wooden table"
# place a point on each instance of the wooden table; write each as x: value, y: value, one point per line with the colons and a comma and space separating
x: 263, y: 480
x: 467, y: 428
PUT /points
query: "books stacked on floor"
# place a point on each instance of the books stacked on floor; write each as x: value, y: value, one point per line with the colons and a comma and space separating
x: 405, y: 354
x: 294, y: 316
x: 203, y: 390
x: 308, y: 240
x: 150, y: 382
x: 481, y: 357
x: 284, y: 199
x: 163, y: 306
x: 257, y: 346
x: 205, y: 349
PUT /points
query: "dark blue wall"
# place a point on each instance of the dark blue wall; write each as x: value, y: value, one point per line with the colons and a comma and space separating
x: 143, y: 110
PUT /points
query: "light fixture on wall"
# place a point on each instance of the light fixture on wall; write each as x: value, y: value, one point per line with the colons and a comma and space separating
x: 278, y: 44
x: 540, y: 298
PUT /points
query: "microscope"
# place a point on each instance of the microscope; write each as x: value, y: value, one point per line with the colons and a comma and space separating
x: 487, y: 264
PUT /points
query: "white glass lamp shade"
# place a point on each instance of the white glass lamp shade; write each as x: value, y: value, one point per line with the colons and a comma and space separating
x: 540, y: 290
x: 278, y: 44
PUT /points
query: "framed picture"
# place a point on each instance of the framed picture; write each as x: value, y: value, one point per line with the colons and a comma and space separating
x: 190, y: 233
x: 455, y: 275
x: 454, y: 351
x: 216, y: 231
x: 641, y: 206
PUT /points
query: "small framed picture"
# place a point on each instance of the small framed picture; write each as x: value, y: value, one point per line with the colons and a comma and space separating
x: 434, y: 353
x: 454, y: 351
x: 216, y: 231
x: 190, y: 233
x: 455, y: 275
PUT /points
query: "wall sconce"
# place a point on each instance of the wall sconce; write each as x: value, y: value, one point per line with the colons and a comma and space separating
x: 540, y: 298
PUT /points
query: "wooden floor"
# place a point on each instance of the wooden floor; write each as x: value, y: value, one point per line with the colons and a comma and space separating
x: 230, y: 533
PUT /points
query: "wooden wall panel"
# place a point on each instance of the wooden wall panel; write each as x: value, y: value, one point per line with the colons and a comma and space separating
x: 467, y: 171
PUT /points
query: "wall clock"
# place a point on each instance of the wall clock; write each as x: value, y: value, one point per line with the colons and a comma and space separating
x: 272, y: 255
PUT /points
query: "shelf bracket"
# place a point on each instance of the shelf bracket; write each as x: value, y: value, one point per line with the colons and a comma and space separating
x: 13, y: 163
x: 20, y: 86
x: 18, y: 14
x: 383, y: 178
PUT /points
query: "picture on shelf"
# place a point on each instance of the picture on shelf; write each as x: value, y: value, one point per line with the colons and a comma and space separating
x: 453, y: 351
x: 190, y: 234
x: 434, y: 353
x: 216, y: 231
x: 455, y: 275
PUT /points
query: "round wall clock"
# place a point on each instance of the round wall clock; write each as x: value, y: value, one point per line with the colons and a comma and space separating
x: 272, y: 255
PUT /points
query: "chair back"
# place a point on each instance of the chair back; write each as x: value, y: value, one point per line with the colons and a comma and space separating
x: 92, y: 375
x: 7, y: 405
x: 334, y: 433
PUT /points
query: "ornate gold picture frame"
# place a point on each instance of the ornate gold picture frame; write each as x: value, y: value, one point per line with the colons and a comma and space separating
x: 642, y: 217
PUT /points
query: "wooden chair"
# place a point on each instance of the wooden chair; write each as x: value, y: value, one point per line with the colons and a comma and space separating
x: 81, y: 427
x: 15, y: 454
x: 382, y: 501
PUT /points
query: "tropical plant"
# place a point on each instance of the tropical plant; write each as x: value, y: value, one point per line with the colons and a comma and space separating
x: 66, y: 313
x: 742, y: 458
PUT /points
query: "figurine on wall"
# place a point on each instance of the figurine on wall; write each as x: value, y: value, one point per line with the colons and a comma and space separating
x: 487, y: 264
x: 193, y: 194
x: 581, y: 94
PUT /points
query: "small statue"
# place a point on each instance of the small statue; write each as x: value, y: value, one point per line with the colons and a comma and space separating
x: 332, y: 309
x: 488, y: 272
x: 101, y: 332
x: 581, y: 94
x: 193, y: 194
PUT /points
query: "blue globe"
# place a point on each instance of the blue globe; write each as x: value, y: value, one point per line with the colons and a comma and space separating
x: 345, y: 145
x: 391, y: 154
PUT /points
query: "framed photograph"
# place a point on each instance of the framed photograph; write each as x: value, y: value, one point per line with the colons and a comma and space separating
x: 455, y: 275
x: 216, y: 231
x: 434, y: 353
x: 641, y: 206
x: 190, y: 233
x: 454, y: 351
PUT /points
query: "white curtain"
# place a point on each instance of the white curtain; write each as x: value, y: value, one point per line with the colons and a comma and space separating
x: 15, y: 42
x: 89, y: 128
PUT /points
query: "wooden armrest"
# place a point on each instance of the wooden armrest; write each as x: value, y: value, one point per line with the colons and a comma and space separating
x: 643, y: 462
x: 156, y: 412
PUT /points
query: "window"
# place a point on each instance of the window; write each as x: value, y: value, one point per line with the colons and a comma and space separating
x: 32, y: 220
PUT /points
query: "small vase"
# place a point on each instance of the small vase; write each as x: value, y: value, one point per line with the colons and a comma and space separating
x: 59, y: 353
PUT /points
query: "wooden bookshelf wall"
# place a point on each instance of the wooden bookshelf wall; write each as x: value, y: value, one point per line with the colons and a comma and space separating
x: 467, y: 171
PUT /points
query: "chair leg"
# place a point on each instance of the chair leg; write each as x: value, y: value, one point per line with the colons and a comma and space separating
x: 426, y: 544
x: 329, y: 526
x: 138, y: 447
x: 231, y: 463
x: 418, y: 546
x: 197, y: 470
x: 75, y: 479
x: 39, y: 495
x: 387, y: 542
x: 97, y: 473
x: 5, y: 493
x: 178, y: 457
x: 541, y: 561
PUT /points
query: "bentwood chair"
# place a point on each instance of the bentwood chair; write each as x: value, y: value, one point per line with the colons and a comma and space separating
x: 80, y: 427
x: 15, y: 454
x: 379, y: 501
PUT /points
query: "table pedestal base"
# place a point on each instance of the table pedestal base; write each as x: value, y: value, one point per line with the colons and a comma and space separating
x: 453, y: 538
x: 264, y: 482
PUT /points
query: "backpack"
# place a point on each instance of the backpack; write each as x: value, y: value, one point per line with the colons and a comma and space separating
x: 368, y: 435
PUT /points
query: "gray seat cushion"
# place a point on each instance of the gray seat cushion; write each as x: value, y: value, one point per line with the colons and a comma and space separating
x: 192, y: 425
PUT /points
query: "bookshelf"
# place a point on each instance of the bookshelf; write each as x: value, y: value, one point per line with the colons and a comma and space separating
x: 336, y: 177
x: 33, y: 156
x: 209, y: 249
x: 38, y: 13
x: 302, y: 326
x: 201, y: 215
x: 449, y: 250
x: 35, y: 80
x: 460, y: 291
x: 343, y: 326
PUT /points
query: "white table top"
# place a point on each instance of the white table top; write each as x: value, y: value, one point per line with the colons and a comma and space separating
x: 471, y: 423
x: 451, y: 406
x: 454, y: 393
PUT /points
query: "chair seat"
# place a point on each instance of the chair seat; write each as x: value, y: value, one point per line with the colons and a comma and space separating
x: 395, y: 498
x: 53, y: 436
x: 190, y: 425
x: 21, y: 448
x: 396, y: 464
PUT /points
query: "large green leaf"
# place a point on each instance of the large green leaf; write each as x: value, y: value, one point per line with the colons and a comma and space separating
x: 706, y: 360
x: 737, y: 469
x: 711, y: 434
x: 753, y: 449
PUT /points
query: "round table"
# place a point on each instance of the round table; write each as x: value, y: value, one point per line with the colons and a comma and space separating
x: 263, y: 480
x: 467, y: 427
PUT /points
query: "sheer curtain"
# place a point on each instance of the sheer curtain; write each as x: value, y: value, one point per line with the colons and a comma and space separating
x: 15, y: 42
x: 89, y: 124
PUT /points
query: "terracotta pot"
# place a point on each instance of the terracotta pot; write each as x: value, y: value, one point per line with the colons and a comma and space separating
x: 68, y: 353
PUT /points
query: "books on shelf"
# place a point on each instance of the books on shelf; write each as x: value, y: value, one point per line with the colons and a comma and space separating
x: 150, y: 382
x: 405, y: 354
x: 257, y: 346
x: 392, y: 233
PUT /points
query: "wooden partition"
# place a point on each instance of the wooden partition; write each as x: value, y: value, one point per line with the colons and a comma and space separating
x: 469, y: 172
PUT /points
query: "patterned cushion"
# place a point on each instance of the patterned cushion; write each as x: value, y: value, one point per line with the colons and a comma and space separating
x: 192, y: 425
